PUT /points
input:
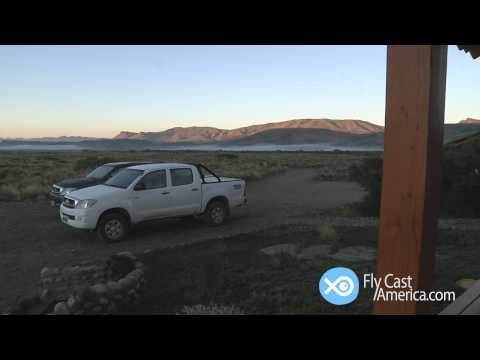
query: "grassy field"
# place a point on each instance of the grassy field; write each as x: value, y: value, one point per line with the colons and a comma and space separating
x: 233, y: 273
x: 30, y: 175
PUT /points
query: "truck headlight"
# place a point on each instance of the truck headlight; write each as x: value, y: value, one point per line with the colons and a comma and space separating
x: 84, y: 204
x: 66, y: 191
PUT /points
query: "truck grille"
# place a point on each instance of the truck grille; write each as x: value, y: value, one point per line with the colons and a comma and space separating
x: 69, y: 203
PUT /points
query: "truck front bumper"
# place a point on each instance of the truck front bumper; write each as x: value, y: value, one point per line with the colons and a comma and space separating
x: 79, y: 218
x: 55, y: 199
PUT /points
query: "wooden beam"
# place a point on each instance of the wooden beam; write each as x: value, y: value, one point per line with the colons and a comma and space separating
x: 414, y: 117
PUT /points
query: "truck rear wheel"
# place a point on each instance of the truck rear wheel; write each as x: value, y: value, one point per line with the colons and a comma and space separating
x: 216, y: 213
x: 112, y: 227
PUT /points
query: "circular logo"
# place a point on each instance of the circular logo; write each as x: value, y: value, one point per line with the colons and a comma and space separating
x: 339, y: 286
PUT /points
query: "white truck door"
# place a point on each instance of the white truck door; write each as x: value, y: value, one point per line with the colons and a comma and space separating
x: 186, y: 191
x: 151, y: 196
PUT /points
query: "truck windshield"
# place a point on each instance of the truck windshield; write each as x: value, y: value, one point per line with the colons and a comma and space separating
x: 123, y: 178
x: 100, y: 172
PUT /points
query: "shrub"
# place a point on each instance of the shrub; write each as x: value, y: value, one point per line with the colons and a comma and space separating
x: 461, y: 180
x: 327, y: 233
x: 91, y: 162
x: 460, y: 189
x: 9, y: 193
x: 227, y: 156
x: 211, y: 310
x: 32, y: 192
x: 284, y: 260
x: 369, y: 175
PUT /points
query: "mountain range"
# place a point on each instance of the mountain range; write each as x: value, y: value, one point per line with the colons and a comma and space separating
x: 336, y: 133
x: 251, y: 133
x: 300, y: 131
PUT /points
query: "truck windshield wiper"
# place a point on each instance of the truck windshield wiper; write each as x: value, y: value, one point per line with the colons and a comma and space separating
x: 115, y: 186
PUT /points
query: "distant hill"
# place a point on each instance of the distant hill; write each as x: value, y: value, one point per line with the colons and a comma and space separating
x: 209, y: 134
x: 345, y: 133
x: 59, y: 139
x: 470, y: 121
x: 97, y: 144
x: 460, y: 130
x: 310, y: 136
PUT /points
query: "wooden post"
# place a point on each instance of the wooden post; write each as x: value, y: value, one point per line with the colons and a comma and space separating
x: 414, y: 117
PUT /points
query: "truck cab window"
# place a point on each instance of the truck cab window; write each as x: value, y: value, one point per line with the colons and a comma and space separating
x: 181, y: 176
x: 154, y: 180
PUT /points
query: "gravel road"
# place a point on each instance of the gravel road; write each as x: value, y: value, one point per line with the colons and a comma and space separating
x: 32, y: 235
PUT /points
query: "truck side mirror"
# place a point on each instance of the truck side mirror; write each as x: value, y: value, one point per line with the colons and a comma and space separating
x: 140, y: 186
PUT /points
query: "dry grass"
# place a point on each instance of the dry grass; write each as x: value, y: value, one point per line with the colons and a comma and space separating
x: 30, y: 175
x: 211, y: 310
x: 326, y: 234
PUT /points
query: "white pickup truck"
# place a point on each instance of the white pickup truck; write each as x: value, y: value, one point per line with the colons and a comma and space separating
x: 152, y: 191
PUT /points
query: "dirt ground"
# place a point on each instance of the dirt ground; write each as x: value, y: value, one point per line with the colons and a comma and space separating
x: 32, y: 236
x: 233, y: 271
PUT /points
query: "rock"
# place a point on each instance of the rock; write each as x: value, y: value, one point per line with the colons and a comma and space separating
x: 113, y: 286
x: 23, y: 304
x: 46, y: 272
x: 465, y: 283
x: 126, y: 283
x: 61, y: 309
x: 81, y: 291
x: 45, y: 295
x: 88, y: 305
x: 126, y: 254
x: 112, y: 308
x: 121, y: 265
x: 97, y: 309
x: 99, y: 289
x: 103, y: 301
x: 355, y: 253
x: 135, y: 275
x: 314, y: 251
x: 279, y: 249
x: 47, y: 280
x: 72, y: 303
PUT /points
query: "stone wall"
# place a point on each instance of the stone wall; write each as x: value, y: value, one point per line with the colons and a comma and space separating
x: 108, y: 287
x: 95, y: 289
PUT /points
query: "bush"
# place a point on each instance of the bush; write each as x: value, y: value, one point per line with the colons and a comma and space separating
x: 369, y: 175
x: 461, y: 181
x: 91, y: 162
x: 327, y: 233
x: 9, y: 193
x: 211, y: 310
x: 227, y: 156
x: 460, y: 189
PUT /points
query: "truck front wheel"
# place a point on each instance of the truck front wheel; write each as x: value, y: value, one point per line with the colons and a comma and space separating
x: 112, y: 227
x: 216, y: 213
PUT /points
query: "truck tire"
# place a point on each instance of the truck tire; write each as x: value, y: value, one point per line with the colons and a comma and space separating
x: 112, y: 227
x: 216, y: 213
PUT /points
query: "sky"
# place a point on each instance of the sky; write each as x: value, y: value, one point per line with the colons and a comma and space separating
x: 99, y: 91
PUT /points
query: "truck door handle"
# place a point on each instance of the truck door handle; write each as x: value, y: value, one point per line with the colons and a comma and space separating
x: 165, y: 193
x: 195, y: 189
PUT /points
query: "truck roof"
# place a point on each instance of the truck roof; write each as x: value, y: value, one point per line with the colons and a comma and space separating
x: 159, y: 166
x: 127, y: 163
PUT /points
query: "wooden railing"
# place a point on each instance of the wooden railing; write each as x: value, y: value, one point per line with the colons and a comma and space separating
x: 467, y: 304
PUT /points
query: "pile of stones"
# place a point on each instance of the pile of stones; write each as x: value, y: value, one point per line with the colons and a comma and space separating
x: 112, y: 286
